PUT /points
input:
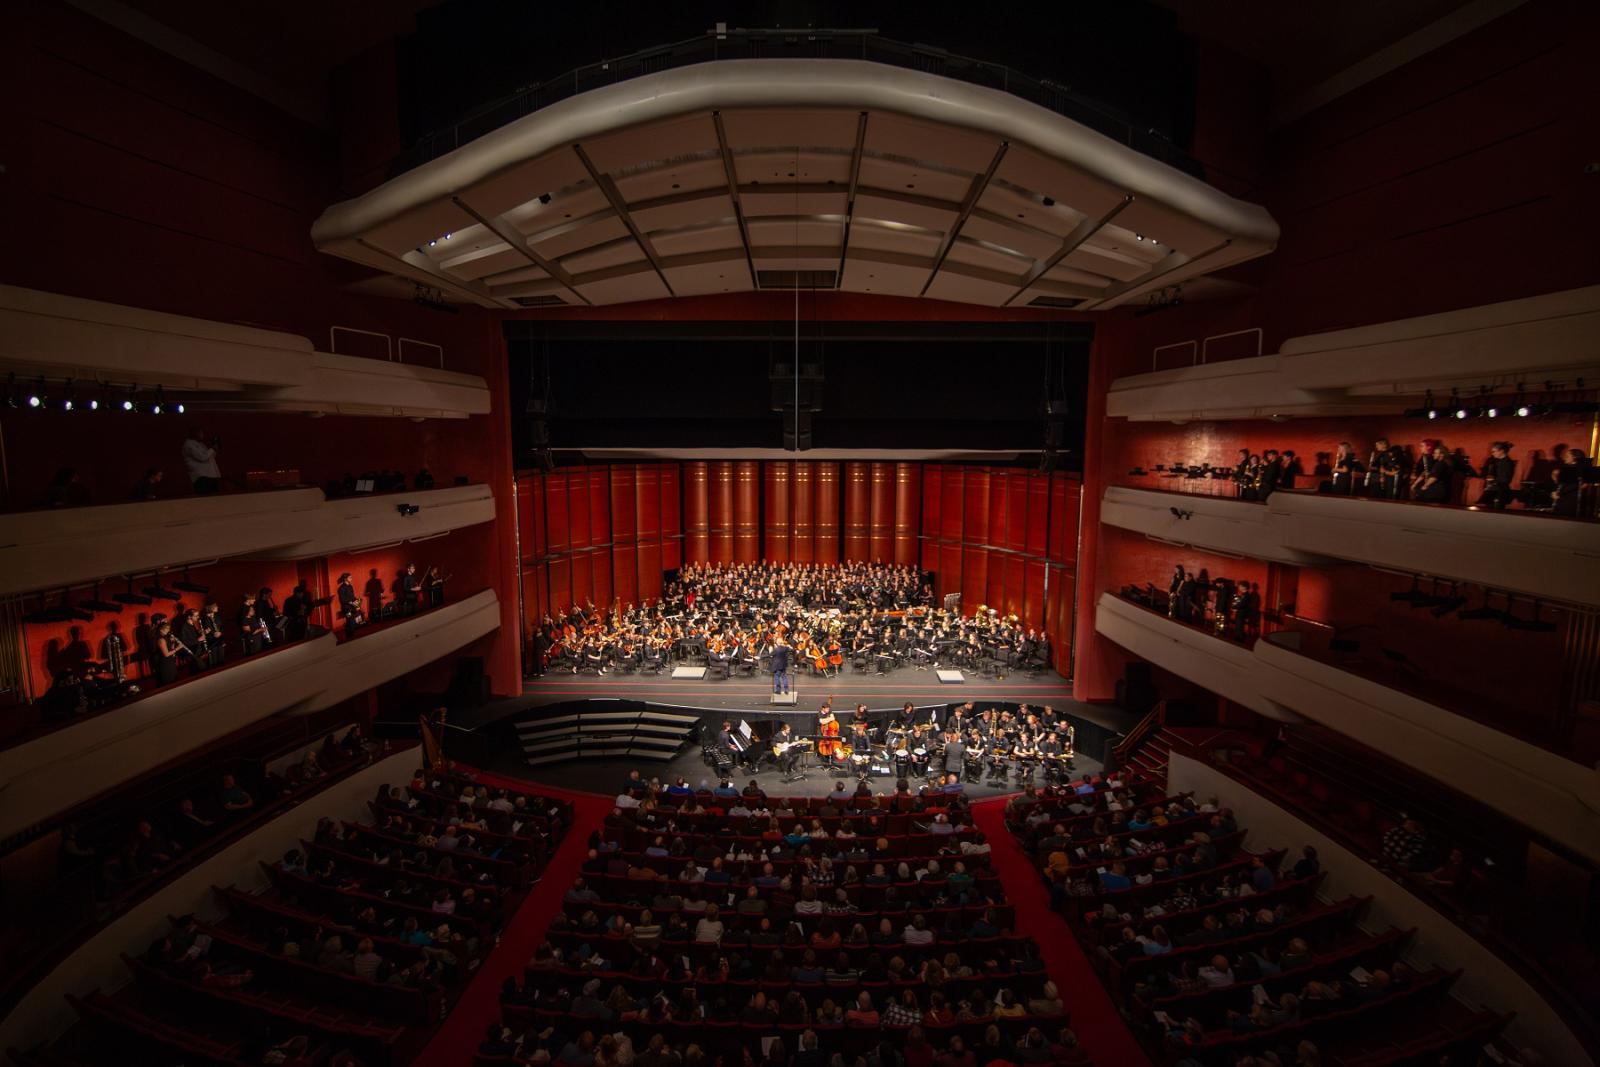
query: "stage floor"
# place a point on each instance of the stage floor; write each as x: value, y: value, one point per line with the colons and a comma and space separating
x: 749, y: 697
x: 877, y: 691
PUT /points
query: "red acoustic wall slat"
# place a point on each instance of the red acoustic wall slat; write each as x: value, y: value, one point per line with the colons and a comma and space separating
x: 995, y: 588
x: 1017, y: 484
x: 857, y: 510
x: 583, y: 578
x: 721, y: 493
x: 747, y: 511
x: 974, y: 577
x: 825, y: 512
x: 1012, y: 599
x: 778, y: 522
x: 880, y: 517
x: 625, y: 573
x: 947, y: 575
x: 1038, y: 521
x: 558, y: 533
x: 650, y: 567
x: 672, y: 529
x: 1033, y: 606
x: 975, y: 507
x: 907, y: 512
x: 999, y: 484
x: 560, y: 570
x: 696, y: 512
x: 624, y: 503
x: 600, y: 506
x: 953, y: 502
x: 804, y: 509
x: 578, y: 512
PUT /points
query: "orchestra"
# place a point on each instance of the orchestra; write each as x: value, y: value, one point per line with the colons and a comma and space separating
x: 995, y: 744
x: 869, y: 618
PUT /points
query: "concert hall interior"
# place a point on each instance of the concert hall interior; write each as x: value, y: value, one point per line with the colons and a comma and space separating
x: 800, y: 534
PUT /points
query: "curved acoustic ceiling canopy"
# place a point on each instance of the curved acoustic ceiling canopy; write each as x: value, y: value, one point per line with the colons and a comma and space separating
x: 746, y: 174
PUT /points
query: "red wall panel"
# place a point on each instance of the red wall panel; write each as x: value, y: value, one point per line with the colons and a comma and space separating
x: 558, y: 535
x: 907, y: 512
x: 624, y: 503
x: 880, y: 521
x: 974, y: 577
x: 779, y: 520
x: 721, y: 505
x: 650, y: 567
x: 578, y: 502
x: 625, y: 573
x: 696, y: 512
x: 932, y: 497
x: 600, y: 506
x: 747, y: 511
x: 857, y: 510
x: 953, y: 506
x: 999, y: 484
x: 1038, y: 522
x: 1033, y: 605
x: 825, y: 513
x: 560, y: 584
x: 672, y: 530
x: 975, y: 507
x: 947, y: 575
x: 1012, y: 599
x: 583, y: 578
x: 1017, y: 484
x: 804, y: 509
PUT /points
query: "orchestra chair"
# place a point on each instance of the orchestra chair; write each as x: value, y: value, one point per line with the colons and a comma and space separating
x: 716, y: 668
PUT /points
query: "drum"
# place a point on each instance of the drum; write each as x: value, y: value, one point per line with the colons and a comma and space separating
x: 919, y: 762
x: 902, y: 764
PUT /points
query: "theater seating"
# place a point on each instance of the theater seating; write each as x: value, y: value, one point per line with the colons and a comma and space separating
x: 357, y: 948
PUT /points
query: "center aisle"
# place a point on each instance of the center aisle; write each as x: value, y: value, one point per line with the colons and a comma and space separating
x: 1095, y: 1019
x: 458, y: 1038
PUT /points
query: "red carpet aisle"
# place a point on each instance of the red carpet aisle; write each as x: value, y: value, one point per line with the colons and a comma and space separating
x: 1100, y: 1029
x: 479, y: 1006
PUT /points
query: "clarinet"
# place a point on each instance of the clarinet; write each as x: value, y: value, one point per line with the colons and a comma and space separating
x: 1372, y: 475
x: 116, y: 656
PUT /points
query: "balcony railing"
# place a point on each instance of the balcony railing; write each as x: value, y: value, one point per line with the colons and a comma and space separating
x: 792, y: 44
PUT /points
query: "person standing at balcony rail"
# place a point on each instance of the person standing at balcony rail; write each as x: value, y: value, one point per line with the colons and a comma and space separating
x: 1569, y: 479
x: 200, y: 460
x: 1345, y: 469
x: 349, y: 604
x: 1499, y: 477
x: 1435, y: 475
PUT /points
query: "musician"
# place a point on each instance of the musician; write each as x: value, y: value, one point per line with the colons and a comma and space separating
x: 1270, y: 478
x: 1186, y: 594
x: 1499, y: 472
x: 192, y: 633
x: 1247, y: 612
x: 1345, y: 469
x: 433, y: 586
x: 410, y: 590
x: 211, y: 623
x: 955, y: 754
x: 786, y: 756
x: 349, y: 604
x: 1388, y: 470
x: 1252, y: 478
x: 267, y: 610
x: 296, y: 614
x: 827, y: 732
x: 165, y: 648
x: 1434, y: 476
x: 1569, y: 479
x: 780, y: 666
x: 1241, y: 474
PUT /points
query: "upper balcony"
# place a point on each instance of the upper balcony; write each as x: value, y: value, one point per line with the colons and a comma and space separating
x: 1379, y: 368
x: 1543, y: 556
x: 241, y: 368
x: 1285, y: 676
x: 56, y: 549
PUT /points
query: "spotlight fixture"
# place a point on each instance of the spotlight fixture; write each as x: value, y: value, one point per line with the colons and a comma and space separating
x: 161, y: 592
x: 131, y: 401
x: 1491, y: 412
x: 1462, y: 413
x: 130, y: 597
x: 179, y: 407
x: 159, y: 404
x: 11, y: 390
x: 407, y: 510
x: 1523, y: 411
x: 69, y: 398
x: 544, y: 198
x: 36, y: 398
x: 191, y: 587
x: 94, y: 603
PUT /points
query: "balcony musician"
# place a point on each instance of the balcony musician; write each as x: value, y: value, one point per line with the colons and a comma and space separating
x: 1499, y: 474
x: 349, y: 605
x: 1345, y: 468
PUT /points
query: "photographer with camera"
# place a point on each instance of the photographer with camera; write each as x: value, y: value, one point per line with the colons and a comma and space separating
x: 200, y: 459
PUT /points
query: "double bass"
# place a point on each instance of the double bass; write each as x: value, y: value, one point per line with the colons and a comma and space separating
x: 827, y: 734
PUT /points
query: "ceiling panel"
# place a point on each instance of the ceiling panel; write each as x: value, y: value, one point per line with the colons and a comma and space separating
x: 656, y: 142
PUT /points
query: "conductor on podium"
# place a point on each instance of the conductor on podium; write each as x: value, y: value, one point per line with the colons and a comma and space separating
x: 780, y: 667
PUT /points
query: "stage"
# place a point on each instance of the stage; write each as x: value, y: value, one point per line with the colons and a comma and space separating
x: 493, y: 735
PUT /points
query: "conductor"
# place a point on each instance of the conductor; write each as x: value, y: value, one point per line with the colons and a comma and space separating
x: 780, y: 667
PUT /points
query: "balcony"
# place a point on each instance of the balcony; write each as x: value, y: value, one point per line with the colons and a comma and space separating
x: 1543, y: 556
x: 1371, y: 369
x: 63, y: 337
x: 56, y: 549
x: 79, y: 760
x: 1193, y: 652
x: 1282, y: 677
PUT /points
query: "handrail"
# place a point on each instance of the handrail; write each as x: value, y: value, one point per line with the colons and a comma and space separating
x: 861, y: 44
x: 1154, y: 720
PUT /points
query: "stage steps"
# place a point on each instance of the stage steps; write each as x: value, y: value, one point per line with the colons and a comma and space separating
x: 644, y: 735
